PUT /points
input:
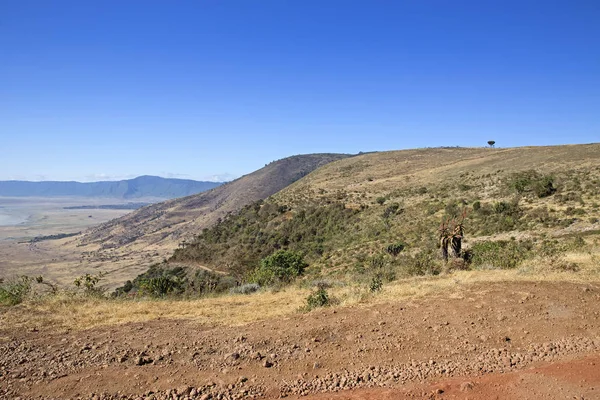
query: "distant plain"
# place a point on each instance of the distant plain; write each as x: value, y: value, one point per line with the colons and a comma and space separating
x: 24, y: 218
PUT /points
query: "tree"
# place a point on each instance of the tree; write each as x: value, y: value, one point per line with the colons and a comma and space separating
x: 281, y: 266
x: 491, y: 143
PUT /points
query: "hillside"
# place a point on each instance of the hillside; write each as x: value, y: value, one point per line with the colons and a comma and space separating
x: 142, y: 186
x: 374, y: 313
x: 520, y: 203
x: 127, y: 245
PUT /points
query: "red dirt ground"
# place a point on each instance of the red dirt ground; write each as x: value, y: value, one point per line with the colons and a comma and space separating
x: 502, y: 340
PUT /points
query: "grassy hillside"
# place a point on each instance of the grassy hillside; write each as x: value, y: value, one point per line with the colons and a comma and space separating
x: 126, y: 246
x: 174, y: 220
x: 347, y: 217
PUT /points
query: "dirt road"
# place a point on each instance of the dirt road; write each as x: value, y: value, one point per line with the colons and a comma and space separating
x: 503, y: 340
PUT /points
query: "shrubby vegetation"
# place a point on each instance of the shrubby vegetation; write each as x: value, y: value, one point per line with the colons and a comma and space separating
x: 501, y: 254
x: 532, y: 182
x: 242, y: 240
x: 88, y: 283
x: 14, y: 291
x: 369, y: 239
x: 318, y: 298
x: 162, y: 279
x: 281, y: 267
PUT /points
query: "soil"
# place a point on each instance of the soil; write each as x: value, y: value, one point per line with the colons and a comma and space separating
x: 504, y: 340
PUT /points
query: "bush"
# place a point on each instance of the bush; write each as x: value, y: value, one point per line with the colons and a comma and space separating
x: 380, y: 200
x: 544, y: 187
x: 502, y: 254
x: 157, y: 281
x: 89, y: 282
x: 532, y: 181
x: 14, y: 291
x: 283, y: 266
x: 319, y: 298
x: 574, y: 211
x: 395, y: 248
x: 391, y: 210
x: 205, y: 282
x: 161, y: 286
x: 376, y: 284
x: 423, y: 263
x: 247, y: 288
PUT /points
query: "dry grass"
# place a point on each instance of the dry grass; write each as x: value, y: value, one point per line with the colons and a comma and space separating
x: 452, y: 284
x: 68, y: 312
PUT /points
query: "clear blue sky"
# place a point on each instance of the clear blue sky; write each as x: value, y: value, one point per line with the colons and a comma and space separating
x: 101, y: 88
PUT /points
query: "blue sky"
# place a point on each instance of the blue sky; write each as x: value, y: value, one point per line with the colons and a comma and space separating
x: 196, y: 89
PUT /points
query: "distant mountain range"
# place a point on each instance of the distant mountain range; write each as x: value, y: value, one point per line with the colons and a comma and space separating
x: 143, y: 186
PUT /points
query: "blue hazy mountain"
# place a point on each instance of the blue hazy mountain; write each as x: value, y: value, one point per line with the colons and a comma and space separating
x: 143, y: 186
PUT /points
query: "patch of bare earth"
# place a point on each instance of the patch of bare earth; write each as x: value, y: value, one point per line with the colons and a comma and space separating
x: 498, y: 340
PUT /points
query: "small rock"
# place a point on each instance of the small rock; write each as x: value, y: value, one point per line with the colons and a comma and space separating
x: 184, y: 390
x: 142, y: 360
x: 466, y: 386
x: 267, y: 364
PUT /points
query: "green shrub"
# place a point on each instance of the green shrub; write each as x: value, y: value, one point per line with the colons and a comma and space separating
x: 14, y: 291
x: 88, y: 283
x: 532, y: 181
x: 283, y: 266
x: 377, y: 261
x: 574, y: 211
x: 376, y: 284
x: 206, y: 282
x: 502, y: 254
x: 318, y: 298
x: 161, y: 286
x: 395, y: 248
x: 423, y: 263
x: 380, y: 200
x: 544, y: 186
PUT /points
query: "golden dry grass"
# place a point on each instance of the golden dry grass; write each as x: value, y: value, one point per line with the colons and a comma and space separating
x: 70, y: 312
x: 64, y: 312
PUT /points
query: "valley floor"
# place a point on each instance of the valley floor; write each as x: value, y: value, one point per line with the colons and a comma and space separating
x: 506, y: 340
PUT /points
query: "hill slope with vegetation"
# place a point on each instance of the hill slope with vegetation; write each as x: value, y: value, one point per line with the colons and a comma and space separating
x: 375, y: 217
x: 155, y: 230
